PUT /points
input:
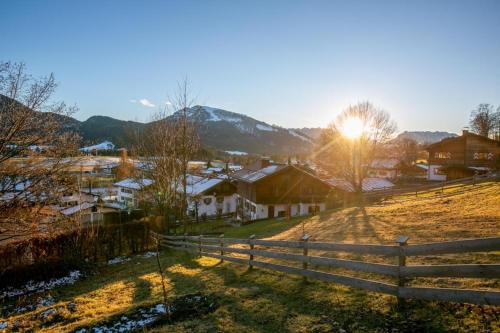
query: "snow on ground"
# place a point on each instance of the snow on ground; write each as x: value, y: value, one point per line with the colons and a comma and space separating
x: 265, y: 128
x: 236, y: 152
x: 125, y: 324
x: 40, y: 303
x: 40, y: 286
x: 298, y: 135
x: 148, y: 255
x: 117, y: 260
x: 105, y: 145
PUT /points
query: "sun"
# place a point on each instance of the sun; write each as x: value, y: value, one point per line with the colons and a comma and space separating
x: 352, y: 128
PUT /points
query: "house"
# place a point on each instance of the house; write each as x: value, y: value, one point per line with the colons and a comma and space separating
x: 384, y: 168
x: 130, y: 191
x: 267, y: 190
x: 462, y: 156
x: 105, y: 145
x: 210, y: 196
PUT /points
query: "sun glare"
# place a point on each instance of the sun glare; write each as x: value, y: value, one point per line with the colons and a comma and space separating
x: 352, y: 128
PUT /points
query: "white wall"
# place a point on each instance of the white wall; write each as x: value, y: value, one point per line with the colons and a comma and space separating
x: 261, y: 211
x: 228, y: 205
x: 432, y: 173
x: 127, y: 197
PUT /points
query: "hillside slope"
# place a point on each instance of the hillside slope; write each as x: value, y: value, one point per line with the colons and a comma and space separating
x: 468, y: 215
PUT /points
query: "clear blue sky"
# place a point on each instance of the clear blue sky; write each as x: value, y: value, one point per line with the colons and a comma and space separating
x: 291, y: 63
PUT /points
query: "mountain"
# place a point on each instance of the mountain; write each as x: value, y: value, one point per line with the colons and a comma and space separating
x: 218, y: 130
x: 230, y: 131
x: 101, y: 128
x: 425, y: 137
x: 312, y: 132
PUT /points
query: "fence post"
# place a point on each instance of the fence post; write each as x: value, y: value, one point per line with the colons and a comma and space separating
x: 304, y: 240
x: 221, y: 247
x: 185, y: 240
x: 402, y: 241
x: 199, y: 244
x: 250, y: 241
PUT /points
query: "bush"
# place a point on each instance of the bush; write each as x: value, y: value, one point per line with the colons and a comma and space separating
x: 64, y: 251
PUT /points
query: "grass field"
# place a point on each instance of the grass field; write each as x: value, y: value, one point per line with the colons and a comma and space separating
x: 259, y: 300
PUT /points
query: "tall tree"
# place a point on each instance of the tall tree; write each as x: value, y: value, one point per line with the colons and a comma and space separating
x: 484, y: 119
x: 166, y: 148
x: 35, y: 141
x: 348, y: 145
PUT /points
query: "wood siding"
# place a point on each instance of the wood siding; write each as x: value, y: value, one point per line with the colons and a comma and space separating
x: 289, y: 185
x: 469, y: 150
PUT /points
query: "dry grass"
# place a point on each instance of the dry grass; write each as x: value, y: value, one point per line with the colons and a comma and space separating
x: 466, y: 215
x: 260, y: 300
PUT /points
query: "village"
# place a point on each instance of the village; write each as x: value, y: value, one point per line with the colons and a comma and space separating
x: 250, y: 167
x: 263, y: 189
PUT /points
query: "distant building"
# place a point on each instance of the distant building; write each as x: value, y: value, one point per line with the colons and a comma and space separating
x: 105, y: 145
x: 267, y: 190
x: 462, y: 156
x: 210, y: 196
x: 130, y: 191
x: 384, y: 168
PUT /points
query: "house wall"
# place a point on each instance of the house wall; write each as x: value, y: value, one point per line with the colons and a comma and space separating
x: 126, y: 197
x: 467, y: 150
x: 227, y: 206
x: 257, y: 211
x: 290, y: 185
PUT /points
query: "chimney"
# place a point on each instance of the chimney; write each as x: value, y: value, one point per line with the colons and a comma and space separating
x: 465, y: 131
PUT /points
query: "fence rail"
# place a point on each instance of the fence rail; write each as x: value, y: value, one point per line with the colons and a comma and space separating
x: 219, y: 248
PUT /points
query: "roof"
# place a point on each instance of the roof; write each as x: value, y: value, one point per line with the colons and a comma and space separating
x: 390, y: 163
x: 203, y: 185
x: 369, y: 184
x: 251, y: 176
x: 134, y: 184
x: 77, y: 208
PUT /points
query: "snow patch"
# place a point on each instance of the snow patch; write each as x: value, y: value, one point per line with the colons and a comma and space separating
x: 3, y: 325
x: 236, y: 152
x: 148, y: 255
x: 298, y: 135
x: 266, y: 128
x: 118, y: 260
x: 125, y: 324
x: 40, y: 286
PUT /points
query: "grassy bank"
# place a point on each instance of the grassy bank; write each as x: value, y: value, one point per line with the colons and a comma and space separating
x: 259, y: 300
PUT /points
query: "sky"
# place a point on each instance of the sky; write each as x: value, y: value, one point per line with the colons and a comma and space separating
x: 290, y: 63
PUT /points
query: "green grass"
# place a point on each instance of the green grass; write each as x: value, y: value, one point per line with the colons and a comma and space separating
x: 261, y: 229
x: 255, y: 300
x: 260, y: 300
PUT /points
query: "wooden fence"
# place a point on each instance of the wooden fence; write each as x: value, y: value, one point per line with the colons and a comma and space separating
x: 218, y: 247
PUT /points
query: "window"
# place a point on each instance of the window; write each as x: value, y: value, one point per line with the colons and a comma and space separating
x: 126, y: 190
x: 207, y: 201
x: 483, y: 156
x: 219, y: 200
x: 442, y: 155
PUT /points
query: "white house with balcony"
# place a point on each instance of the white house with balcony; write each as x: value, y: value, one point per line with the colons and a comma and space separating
x: 130, y: 190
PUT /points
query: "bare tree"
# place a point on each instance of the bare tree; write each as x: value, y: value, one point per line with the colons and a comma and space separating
x: 36, y: 139
x: 351, y: 142
x: 484, y: 120
x: 166, y: 148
